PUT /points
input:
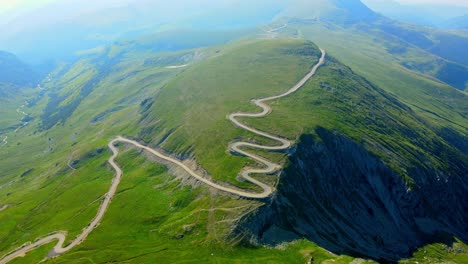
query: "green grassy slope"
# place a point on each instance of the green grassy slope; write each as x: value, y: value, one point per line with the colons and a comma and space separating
x: 437, y: 53
x: 58, y: 185
x: 336, y: 99
x: 153, y: 218
x: 189, y: 115
x: 441, y: 104
x: 440, y: 253
x: 339, y: 100
x: 16, y: 80
x: 424, y: 50
x: 35, y: 179
x: 184, y: 112
x: 9, y: 102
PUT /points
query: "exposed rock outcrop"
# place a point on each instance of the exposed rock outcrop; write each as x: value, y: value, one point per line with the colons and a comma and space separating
x: 338, y: 195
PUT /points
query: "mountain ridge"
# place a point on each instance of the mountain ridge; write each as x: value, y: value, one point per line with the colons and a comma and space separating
x: 376, y: 168
x: 14, y: 71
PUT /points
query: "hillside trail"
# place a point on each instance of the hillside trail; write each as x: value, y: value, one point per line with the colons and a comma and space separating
x: 3, y: 207
x: 270, y: 168
x: 277, y: 29
x: 176, y: 66
x: 20, y: 111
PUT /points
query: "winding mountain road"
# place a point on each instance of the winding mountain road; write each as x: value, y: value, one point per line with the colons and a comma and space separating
x: 20, y: 109
x: 285, y: 144
x: 60, y: 236
x: 21, y: 112
x: 270, y: 167
x: 176, y: 66
x: 3, y: 207
x: 277, y: 29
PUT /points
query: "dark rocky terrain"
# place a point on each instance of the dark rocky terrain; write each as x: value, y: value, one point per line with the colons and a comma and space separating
x: 337, y: 194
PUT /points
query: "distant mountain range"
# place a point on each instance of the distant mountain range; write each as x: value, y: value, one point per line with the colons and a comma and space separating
x: 14, y: 71
x: 460, y: 22
x: 440, y: 54
x: 63, y: 28
x: 440, y: 16
x: 449, y: 63
x: 377, y: 169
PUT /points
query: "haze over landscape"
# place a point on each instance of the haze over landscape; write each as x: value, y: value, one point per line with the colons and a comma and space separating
x: 234, y: 131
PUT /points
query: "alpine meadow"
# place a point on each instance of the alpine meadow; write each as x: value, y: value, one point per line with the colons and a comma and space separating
x: 233, y: 131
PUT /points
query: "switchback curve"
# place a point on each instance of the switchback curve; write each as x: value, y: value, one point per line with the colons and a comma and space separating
x: 271, y: 167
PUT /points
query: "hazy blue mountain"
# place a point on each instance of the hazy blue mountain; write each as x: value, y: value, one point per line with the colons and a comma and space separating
x: 423, y: 14
x: 14, y: 71
x: 81, y: 28
x: 460, y: 22
x: 449, y: 62
x: 376, y: 168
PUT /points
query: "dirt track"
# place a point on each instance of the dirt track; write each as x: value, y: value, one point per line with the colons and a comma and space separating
x: 270, y: 167
x: 60, y: 236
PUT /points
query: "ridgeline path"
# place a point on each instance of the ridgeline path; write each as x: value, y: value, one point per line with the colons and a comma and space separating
x: 21, y: 112
x: 277, y: 29
x: 176, y: 66
x: 270, y: 167
x: 3, y: 207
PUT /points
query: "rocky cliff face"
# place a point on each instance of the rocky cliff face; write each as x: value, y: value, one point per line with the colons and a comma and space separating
x: 338, y: 195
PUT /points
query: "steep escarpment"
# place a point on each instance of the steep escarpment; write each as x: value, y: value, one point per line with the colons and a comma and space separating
x: 337, y: 194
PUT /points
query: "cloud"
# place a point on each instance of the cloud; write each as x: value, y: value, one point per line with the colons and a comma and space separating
x: 435, y: 2
x: 10, y: 9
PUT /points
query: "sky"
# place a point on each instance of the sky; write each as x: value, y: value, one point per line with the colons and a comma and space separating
x: 444, y: 2
x: 13, y: 6
x: 8, y: 7
x: 24, y: 22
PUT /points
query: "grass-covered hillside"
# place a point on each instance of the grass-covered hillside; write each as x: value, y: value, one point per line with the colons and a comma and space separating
x: 433, y: 52
x: 189, y: 115
x: 442, y: 105
x: 376, y: 171
x: 16, y: 80
x: 60, y: 183
x: 365, y: 171
x: 178, y: 101
x: 13, y: 100
x: 436, y: 53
